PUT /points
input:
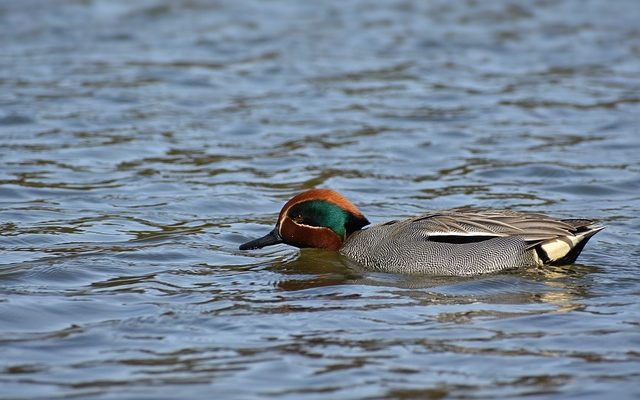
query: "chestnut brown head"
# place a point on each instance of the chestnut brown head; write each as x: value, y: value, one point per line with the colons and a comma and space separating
x: 320, y: 218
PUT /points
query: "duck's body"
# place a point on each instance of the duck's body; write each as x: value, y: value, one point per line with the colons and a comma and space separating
x: 467, y: 242
x: 455, y: 242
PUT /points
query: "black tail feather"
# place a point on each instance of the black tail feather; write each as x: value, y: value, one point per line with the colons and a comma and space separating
x: 574, y: 252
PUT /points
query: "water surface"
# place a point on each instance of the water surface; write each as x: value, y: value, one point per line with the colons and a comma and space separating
x: 142, y: 142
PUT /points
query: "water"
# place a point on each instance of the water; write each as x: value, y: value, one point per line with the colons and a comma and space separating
x: 142, y: 142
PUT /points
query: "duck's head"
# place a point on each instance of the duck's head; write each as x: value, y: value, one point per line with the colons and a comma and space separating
x: 320, y: 218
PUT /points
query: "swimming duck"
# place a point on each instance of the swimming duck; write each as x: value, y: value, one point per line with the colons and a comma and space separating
x: 463, y: 241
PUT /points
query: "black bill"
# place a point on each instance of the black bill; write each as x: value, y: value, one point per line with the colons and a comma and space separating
x: 271, y: 238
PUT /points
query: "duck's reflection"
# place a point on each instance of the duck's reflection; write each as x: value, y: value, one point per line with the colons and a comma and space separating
x: 562, y: 287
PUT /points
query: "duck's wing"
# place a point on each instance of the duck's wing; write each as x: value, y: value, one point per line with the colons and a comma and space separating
x: 464, y: 225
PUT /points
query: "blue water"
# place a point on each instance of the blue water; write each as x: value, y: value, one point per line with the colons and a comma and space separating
x: 142, y: 142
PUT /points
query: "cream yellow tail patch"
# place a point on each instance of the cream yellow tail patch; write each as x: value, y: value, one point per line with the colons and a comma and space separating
x: 560, y: 247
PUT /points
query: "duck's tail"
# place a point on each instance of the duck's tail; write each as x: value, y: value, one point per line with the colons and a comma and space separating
x: 564, y: 250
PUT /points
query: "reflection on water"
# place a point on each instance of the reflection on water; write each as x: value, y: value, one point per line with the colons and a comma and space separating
x: 557, y: 285
x: 143, y: 142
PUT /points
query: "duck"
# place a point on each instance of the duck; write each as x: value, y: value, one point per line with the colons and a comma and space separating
x: 457, y: 242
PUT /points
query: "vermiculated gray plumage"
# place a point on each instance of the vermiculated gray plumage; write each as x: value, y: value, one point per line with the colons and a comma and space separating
x: 468, y: 241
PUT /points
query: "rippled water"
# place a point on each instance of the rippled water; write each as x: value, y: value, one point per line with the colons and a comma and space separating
x: 142, y: 142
